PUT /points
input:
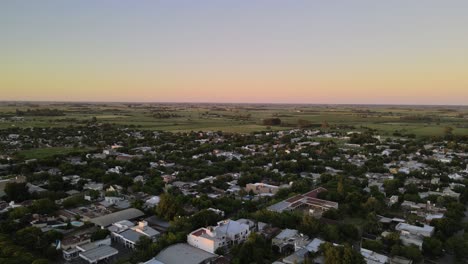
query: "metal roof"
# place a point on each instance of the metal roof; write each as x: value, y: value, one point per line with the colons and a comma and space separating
x: 98, y: 253
x: 107, y: 220
x: 183, y: 254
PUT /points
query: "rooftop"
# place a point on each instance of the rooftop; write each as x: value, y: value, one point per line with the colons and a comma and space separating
x: 107, y: 220
x: 425, y: 230
x: 182, y: 254
x: 99, y: 253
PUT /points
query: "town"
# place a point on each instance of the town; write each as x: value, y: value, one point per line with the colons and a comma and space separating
x: 329, y: 194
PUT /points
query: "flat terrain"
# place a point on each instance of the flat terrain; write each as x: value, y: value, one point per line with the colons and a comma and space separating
x: 40, y: 153
x: 243, y: 118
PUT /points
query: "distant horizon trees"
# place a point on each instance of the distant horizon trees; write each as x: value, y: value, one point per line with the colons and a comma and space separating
x: 40, y: 112
x: 272, y: 121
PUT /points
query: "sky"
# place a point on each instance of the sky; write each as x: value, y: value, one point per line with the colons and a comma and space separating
x: 253, y: 51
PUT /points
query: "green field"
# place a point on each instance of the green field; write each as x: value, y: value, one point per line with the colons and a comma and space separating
x: 41, y: 153
x: 244, y: 118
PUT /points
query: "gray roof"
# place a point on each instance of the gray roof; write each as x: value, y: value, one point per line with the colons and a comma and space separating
x: 287, y: 233
x: 107, y: 220
x: 99, y: 253
x: 131, y: 235
x: 279, y: 207
x: 183, y: 254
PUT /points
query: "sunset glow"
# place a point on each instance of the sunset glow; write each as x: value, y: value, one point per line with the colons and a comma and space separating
x: 395, y: 52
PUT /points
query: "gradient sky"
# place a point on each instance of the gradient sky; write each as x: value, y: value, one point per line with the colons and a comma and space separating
x: 327, y: 51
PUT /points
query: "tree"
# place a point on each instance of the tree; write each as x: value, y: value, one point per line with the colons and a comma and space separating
x: 44, y: 206
x: 100, y: 234
x: 271, y: 121
x: 432, y: 246
x: 204, y: 218
x: 341, y: 254
x: 40, y: 261
x: 340, y: 187
x: 372, y: 205
x: 372, y: 224
x: 17, y: 191
x: 309, y: 225
x: 458, y: 246
x: 31, y: 238
x: 254, y: 250
x: 412, y: 252
x: 168, y: 206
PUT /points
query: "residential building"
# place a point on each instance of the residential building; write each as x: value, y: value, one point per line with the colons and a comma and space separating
x: 225, y: 234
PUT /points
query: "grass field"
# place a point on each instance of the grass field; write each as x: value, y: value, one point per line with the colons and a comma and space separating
x: 41, y: 153
x: 246, y: 118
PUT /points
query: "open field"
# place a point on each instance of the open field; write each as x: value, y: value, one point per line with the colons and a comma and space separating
x: 243, y: 118
x: 41, y: 153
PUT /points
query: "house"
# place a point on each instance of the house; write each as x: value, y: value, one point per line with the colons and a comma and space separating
x: 217, y: 211
x: 107, y: 220
x: 72, y: 179
x: 263, y: 188
x: 93, y: 186
x: 288, y: 240
x: 98, y: 253
x: 117, y: 202
x: 168, y: 178
x: 34, y: 188
x: 252, y: 225
x: 307, y: 201
x: 226, y: 233
x: 425, y: 230
x: 128, y: 234
x: 372, y: 257
x: 414, y: 235
x: 392, y: 200
x: 152, y: 202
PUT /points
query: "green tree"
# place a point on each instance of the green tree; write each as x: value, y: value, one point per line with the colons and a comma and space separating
x: 432, y: 247
x: 168, y: 206
x: 341, y: 254
x: 100, y: 234
x: 17, y: 191
x: 255, y: 250
x: 309, y: 225
x: 44, y: 206
x: 372, y: 224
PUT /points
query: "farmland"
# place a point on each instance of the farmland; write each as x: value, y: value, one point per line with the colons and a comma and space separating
x: 241, y: 118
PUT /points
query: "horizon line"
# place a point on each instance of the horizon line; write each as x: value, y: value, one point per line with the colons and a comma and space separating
x: 232, y: 103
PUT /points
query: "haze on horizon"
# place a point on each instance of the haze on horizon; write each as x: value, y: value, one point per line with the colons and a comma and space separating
x: 262, y: 51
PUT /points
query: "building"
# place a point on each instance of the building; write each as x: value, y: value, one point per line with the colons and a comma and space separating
x: 152, y: 202
x: 372, y: 257
x: 289, y: 240
x: 182, y: 254
x: 307, y: 201
x: 425, y: 230
x: 226, y: 233
x: 262, y: 188
x: 107, y: 220
x: 98, y: 254
x: 91, y: 252
x: 128, y: 234
x: 414, y: 235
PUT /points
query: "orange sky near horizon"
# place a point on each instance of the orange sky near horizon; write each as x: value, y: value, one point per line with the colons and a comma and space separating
x: 261, y: 51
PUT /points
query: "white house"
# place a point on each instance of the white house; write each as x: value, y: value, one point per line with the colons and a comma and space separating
x: 225, y: 234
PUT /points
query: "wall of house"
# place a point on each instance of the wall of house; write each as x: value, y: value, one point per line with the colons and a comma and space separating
x: 205, y: 244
